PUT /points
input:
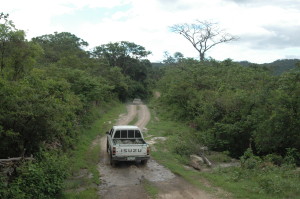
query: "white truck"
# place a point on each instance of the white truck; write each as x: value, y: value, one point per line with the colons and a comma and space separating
x: 126, y: 143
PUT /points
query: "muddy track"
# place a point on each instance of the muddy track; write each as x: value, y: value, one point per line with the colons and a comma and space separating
x: 131, y: 114
x: 144, y: 116
x: 125, y: 181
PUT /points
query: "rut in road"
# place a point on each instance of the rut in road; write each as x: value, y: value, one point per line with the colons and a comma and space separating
x: 125, y: 181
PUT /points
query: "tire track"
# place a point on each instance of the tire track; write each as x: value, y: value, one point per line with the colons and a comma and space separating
x: 131, y: 114
x: 144, y: 116
x: 126, y: 180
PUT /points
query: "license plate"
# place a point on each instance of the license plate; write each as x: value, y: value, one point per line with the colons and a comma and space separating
x: 130, y: 158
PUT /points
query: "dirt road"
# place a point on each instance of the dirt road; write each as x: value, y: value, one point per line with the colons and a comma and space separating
x: 125, y: 181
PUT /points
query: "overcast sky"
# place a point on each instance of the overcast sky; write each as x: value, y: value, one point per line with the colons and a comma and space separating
x: 268, y: 29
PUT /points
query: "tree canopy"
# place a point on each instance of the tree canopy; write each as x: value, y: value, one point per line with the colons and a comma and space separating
x: 234, y: 107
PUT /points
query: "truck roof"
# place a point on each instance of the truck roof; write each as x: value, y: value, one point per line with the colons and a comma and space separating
x: 126, y: 127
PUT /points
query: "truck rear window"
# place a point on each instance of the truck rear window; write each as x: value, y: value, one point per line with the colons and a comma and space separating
x: 117, y: 134
x: 130, y: 133
x: 124, y: 134
x: 137, y: 134
x: 127, y: 134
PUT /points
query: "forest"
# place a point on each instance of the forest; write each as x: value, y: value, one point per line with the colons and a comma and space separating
x: 51, y: 87
x: 234, y: 107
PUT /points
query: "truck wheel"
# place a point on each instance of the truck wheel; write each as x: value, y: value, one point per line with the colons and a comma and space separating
x: 107, y: 146
x: 112, y: 162
x: 144, y: 162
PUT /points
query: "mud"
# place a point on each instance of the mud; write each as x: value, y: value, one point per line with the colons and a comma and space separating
x: 131, y: 114
x: 177, y: 188
x: 128, y: 176
x: 144, y: 117
x: 125, y: 180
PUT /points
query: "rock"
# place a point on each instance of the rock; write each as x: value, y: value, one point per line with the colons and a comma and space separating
x: 197, y: 158
x: 196, y: 162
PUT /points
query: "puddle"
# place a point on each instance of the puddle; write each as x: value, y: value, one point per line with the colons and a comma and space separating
x: 129, y: 173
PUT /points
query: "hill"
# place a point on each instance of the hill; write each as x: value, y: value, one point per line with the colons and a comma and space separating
x: 277, y: 67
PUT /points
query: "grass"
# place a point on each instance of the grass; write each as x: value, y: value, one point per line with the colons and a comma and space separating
x: 88, y: 193
x: 260, y: 183
x: 134, y: 121
x: 165, y: 155
x: 151, y: 190
x: 84, y: 159
x: 220, y: 157
x: 264, y: 183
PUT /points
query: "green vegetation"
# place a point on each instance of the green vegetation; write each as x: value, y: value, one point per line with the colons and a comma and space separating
x: 42, y: 178
x: 233, y: 107
x: 55, y: 97
x: 83, y: 162
x: 244, y: 112
x: 257, y: 178
x: 150, y: 189
x: 168, y: 152
x: 277, y: 67
x: 51, y: 92
x: 134, y: 121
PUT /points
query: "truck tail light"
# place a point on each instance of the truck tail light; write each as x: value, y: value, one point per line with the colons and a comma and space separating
x: 114, y: 150
x: 148, y: 150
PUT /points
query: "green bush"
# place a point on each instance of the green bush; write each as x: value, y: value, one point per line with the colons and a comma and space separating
x: 292, y: 156
x: 233, y: 107
x: 270, y: 185
x: 249, y: 160
x: 41, y: 179
x: 274, y: 159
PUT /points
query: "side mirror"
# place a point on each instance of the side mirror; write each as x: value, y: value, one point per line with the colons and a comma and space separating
x: 107, y: 132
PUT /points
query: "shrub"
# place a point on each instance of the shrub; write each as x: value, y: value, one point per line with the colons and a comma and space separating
x: 249, y: 160
x: 292, y: 157
x: 274, y: 158
x: 270, y: 185
x: 41, y: 179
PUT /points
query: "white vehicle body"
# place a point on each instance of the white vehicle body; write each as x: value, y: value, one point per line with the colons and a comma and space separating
x: 126, y: 143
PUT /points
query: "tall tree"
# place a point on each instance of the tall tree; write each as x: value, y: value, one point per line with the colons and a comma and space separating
x: 203, y: 35
x: 131, y: 59
x: 118, y: 53
x: 6, y: 29
x: 17, y: 55
x: 126, y: 55
x: 61, y: 46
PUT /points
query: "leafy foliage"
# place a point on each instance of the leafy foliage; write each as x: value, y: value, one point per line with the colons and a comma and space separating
x: 63, y: 47
x: 129, y: 57
x: 40, y: 179
x: 234, y: 107
x: 51, y: 88
x: 34, y: 111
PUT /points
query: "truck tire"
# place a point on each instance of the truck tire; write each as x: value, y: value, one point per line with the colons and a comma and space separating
x: 144, y: 162
x: 107, y: 147
x: 112, y: 162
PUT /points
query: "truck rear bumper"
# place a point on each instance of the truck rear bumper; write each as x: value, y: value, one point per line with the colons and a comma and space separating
x: 131, y: 158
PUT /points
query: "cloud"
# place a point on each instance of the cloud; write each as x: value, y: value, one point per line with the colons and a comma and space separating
x: 275, y: 37
x: 290, y: 4
x: 266, y: 28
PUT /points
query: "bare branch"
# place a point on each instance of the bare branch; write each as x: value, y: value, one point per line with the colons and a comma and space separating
x: 15, y: 159
x: 203, y: 35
